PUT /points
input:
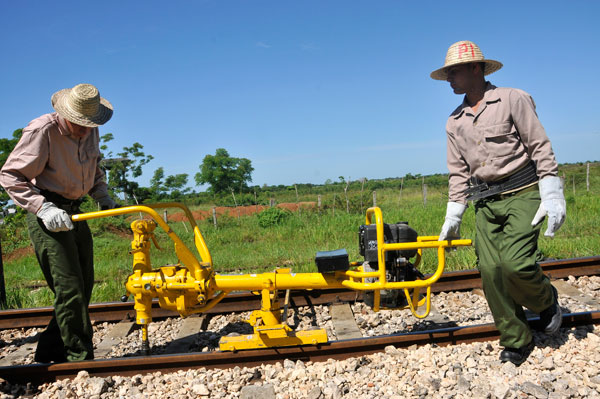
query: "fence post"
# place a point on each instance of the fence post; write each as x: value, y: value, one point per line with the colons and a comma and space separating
x: 236, y: 205
x: 214, y: 213
x: 346, y: 195
x: 271, y: 202
x: 362, y: 186
x: 401, y: 186
x: 587, y: 177
x: 374, y: 198
x: 165, y: 215
x: 424, y: 195
x: 319, y: 204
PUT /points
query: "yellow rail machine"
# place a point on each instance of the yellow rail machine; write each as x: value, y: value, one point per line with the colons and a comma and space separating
x: 192, y: 286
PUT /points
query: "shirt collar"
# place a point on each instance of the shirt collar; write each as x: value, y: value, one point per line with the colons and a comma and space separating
x: 490, y: 96
x: 62, y: 126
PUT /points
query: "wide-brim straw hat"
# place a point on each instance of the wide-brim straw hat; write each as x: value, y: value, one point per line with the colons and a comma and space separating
x: 464, y: 52
x: 82, y: 105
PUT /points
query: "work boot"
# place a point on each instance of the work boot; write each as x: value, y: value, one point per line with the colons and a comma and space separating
x: 516, y: 355
x: 551, y: 318
x: 49, y: 357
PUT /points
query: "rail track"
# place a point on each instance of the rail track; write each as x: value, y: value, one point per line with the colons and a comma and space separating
x: 340, y: 349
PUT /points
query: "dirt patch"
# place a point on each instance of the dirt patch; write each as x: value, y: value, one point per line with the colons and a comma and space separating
x: 240, y: 210
x: 118, y: 231
x: 18, y: 253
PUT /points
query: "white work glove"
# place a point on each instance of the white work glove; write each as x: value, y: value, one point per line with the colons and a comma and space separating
x: 106, y: 203
x: 553, y: 204
x: 451, y: 227
x: 54, y: 218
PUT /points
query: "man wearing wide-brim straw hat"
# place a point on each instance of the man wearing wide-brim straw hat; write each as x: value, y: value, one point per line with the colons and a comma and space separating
x: 500, y: 157
x: 52, y: 167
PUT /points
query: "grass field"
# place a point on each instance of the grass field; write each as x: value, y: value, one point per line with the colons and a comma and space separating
x: 240, y: 245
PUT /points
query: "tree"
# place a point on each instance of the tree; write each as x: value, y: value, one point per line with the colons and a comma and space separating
x: 122, y: 170
x: 224, y: 173
x: 175, y: 184
x: 6, y: 147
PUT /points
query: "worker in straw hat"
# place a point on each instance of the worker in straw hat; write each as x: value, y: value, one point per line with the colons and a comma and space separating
x: 52, y: 167
x: 499, y: 156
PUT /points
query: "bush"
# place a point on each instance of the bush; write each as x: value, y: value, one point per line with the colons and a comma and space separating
x: 273, y: 216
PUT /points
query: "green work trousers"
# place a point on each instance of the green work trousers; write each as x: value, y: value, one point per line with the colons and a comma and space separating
x: 507, y: 252
x: 66, y: 259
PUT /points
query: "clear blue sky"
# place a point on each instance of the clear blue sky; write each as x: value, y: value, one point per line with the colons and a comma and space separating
x: 307, y: 90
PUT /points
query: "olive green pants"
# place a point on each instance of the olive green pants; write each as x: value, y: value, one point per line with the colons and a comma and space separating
x: 66, y: 259
x: 507, y: 252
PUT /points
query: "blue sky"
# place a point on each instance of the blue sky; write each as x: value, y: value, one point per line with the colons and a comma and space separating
x: 307, y: 90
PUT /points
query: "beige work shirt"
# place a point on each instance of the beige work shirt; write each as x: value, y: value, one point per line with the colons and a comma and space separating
x: 48, y: 157
x: 496, y: 141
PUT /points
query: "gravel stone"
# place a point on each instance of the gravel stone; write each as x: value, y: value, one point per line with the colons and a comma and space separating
x: 564, y: 366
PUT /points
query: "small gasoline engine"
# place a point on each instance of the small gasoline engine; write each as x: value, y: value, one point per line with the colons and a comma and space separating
x: 397, y: 264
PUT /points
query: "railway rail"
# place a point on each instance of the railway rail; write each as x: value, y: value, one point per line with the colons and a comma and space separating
x: 340, y: 349
x: 450, y: 281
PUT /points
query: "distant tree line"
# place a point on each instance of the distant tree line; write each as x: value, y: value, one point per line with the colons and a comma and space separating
x: 227, y: 177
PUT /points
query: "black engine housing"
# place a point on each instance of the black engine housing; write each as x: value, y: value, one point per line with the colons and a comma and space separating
x: 397, y: 264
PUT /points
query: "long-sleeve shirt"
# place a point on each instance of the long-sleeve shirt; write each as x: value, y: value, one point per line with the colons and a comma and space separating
x: 48, y: 157
x: 496, y: 141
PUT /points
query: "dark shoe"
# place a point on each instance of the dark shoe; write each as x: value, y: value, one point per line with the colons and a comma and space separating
x: 551, y: 318
x: 516, y: 355
x: 49, y: 357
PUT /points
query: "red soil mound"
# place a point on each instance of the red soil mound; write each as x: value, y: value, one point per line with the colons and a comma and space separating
x: 239, y: 211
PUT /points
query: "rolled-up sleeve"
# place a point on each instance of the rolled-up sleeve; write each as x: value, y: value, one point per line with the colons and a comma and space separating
x: 24, y: 163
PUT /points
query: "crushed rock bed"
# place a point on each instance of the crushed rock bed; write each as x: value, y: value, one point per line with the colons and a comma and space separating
x: 563, y: 366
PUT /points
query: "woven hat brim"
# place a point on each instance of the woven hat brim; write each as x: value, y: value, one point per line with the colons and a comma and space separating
x: 491, y: 66
x: 105, y: 111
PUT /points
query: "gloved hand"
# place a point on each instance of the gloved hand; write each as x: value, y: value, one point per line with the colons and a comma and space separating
x: 553, y: 204
x: 451, y: 227
x: 54, y: 218
x: 106, y: 203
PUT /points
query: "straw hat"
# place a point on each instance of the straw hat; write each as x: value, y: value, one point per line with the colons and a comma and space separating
x: 464, y: 52
x: 82, y: 105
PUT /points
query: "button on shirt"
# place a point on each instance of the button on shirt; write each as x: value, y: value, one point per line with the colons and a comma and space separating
x: 496, y: 141
x: 48, y: 157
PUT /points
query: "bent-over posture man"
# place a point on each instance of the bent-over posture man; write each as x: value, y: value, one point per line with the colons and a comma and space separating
x: 53, y: 166
x: 500, y: 157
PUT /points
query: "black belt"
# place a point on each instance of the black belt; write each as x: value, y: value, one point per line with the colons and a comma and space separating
x: 62, y: 202
x: 523, y: 177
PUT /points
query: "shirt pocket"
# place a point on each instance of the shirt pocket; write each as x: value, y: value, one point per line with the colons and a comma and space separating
x: 90, y: 153
x: 502, y: 140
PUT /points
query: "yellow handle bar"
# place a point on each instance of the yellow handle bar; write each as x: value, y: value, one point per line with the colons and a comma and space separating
x: 182, y: 251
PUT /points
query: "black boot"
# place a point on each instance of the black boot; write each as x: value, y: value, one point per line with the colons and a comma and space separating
x: 516, y: 355
x: 551, y: 318
x: 50, y: 347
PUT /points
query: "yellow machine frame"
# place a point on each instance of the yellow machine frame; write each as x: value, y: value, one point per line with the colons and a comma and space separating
x: 193, y: 286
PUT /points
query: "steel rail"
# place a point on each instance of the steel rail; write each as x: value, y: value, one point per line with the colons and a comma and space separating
x: 449, y: 281
x: 339, y: 350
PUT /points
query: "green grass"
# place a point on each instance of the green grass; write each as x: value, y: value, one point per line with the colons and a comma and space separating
x: 242, y: 245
